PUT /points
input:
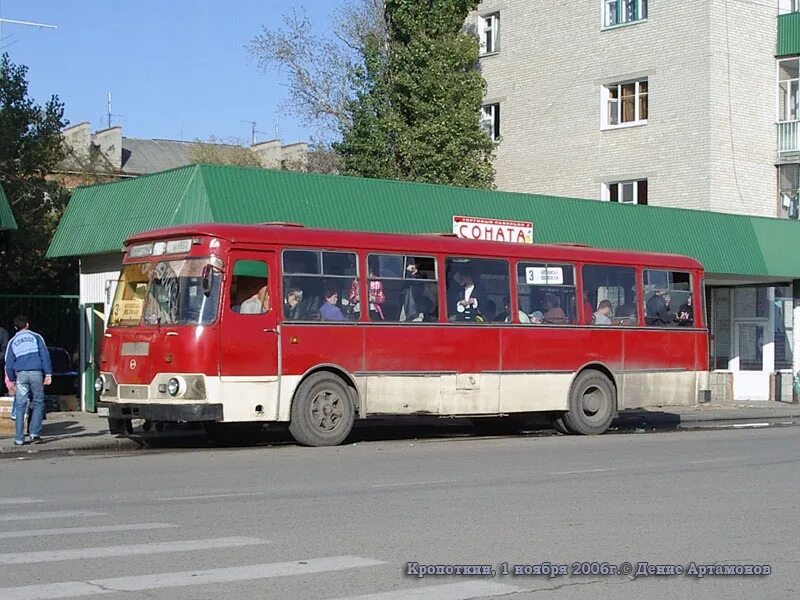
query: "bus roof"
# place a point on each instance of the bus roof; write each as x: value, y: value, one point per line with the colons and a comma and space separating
x: 292, y: 235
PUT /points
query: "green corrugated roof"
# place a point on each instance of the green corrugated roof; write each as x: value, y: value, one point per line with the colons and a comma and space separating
x: 100, y: 217
x: 6, y: 216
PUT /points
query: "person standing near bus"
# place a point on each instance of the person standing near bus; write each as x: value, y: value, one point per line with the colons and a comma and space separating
x: 3, y: 344
x: 29, y: 369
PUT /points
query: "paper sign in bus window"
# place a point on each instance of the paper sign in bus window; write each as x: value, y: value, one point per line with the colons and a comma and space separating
x: 544, y: 275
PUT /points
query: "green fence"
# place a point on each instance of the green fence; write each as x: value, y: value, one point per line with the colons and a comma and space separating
x: 57, y: 318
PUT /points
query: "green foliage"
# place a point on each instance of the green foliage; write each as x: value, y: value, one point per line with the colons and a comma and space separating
x: 416, y: 113
x: 30, y: 148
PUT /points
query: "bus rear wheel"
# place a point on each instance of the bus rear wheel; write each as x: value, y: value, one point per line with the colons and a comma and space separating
x: 322, y: 411
x: 592, y: 401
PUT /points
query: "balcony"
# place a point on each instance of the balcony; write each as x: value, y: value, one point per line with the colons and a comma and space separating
x: 788, y: 34
x: 788, y: 137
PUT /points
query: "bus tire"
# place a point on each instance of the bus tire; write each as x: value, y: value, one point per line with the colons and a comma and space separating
x: 322, y: 411
x: 592, y: 402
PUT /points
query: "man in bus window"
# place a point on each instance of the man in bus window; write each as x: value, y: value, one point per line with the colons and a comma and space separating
x: 329, y: 311
x: 256, y: 304
x: 553, y: 313
x: 658, y: 311
x: 472, y: 299
x: 604, y: 312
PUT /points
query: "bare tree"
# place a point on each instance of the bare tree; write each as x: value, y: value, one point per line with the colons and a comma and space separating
x: 322, y: 70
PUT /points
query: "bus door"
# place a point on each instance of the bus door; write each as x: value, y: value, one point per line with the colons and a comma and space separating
x: 249, y: 366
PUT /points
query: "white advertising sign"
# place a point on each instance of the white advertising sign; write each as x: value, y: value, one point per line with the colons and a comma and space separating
x: 493, y: 230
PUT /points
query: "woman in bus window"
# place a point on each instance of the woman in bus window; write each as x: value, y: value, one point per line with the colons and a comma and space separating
x: 329, y: 311
x: 376, y: 295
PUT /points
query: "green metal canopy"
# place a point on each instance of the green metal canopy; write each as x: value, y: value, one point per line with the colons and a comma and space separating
x: 99, y: 218
x: 6, y: 216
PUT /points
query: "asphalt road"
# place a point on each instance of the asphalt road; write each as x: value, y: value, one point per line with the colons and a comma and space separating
x: 319, y: 523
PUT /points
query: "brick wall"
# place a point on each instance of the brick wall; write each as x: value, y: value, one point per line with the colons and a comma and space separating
x: 707, y: 145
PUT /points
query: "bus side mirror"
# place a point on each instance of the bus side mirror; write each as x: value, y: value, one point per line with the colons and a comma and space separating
x: 206, y: 279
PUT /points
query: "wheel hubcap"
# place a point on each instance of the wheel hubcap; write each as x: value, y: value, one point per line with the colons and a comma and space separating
x: 326, y: 410
x: 592, y: 401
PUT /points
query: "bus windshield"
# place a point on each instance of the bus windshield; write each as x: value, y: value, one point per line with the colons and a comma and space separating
x: 183, y: 292
x: 134, y: 282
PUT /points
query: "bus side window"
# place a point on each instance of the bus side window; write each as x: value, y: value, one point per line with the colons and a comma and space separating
x: 546, y: 293
x: 668, y: 299
x: 320, y: 286
x: 477, y: 289
x: 609, y: 295
x: 249, y: 293
x: 402, y: 288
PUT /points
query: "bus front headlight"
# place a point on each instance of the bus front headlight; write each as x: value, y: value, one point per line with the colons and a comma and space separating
x: 175, y: 386
x: 99, y: 385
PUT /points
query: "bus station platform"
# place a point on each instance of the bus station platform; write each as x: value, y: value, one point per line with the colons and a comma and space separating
x: 80, y: 432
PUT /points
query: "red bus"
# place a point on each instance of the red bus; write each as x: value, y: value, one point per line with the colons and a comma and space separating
x: 316, y: 328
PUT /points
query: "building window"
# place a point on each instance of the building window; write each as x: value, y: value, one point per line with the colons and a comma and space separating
x: 788, y: 80
x: 490, y: 120
x: 488, y: 28
x: 626, y: 192
x: 788, y: 6
x: 619, y: 12
x: 789, y: 193
x: 625, y: 104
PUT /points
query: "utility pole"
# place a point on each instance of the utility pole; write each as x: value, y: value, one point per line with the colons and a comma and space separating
x: 253, y: 132
x: 25, y: 23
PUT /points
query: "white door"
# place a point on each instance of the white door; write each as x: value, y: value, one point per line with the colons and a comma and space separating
x: 750, y: 379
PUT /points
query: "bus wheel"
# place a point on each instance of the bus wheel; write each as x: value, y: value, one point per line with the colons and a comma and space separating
x: 322, y: 411
x: 592, y: 400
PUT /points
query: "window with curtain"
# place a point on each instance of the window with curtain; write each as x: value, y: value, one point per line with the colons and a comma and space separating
x: 626, y: 103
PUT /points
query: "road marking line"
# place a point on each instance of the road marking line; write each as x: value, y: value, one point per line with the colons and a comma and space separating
x: 56, y: 514
x: 713, y: 460
x: 9, y: 501
x: 139, y: 583
x: 16, y: 558
x: 385, y: 485
x: 583, y: 471
x: 452, y: 591
x: 750, y: 425
x: 72, y: 530
x: 212, y: 496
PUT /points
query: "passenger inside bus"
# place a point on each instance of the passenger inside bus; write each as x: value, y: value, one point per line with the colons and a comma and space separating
x: 553, y: 313
x: 330, y: 311
x: 603, y: 314
x: 256, y: 304
x: 294, y: 309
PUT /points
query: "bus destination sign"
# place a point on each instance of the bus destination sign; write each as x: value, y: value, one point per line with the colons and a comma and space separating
x: 493, y: 230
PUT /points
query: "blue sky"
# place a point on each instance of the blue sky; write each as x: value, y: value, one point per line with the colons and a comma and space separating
x: 177, y: 69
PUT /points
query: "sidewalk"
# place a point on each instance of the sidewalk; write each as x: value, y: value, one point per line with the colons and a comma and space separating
x: 78, y: 432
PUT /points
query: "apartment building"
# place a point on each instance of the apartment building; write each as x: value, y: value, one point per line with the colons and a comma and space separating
x: 670, y: 103
x: 690, y: 105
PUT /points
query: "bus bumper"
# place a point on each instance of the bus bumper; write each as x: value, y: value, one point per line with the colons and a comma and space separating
x: 184, y: 412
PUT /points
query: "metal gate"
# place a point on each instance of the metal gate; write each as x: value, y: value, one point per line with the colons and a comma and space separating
x: 56, y: 318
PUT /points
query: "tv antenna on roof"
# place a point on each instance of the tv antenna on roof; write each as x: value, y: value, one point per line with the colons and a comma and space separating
x: 253, y: 132
x: 110, y: 114
x: 25, y: 23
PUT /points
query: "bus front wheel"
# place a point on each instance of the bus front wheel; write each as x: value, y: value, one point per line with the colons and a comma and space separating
x: 592, y: 401
x: 322, y: 411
